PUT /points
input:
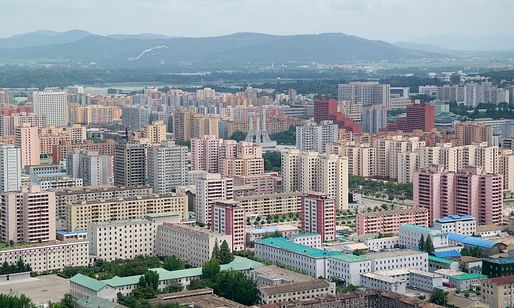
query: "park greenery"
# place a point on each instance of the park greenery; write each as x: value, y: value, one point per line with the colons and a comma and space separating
x: 439, y: 297
x: 19, y: 267
x: 14, y: 301
x: 426, y: 245
x: 229, y: 284
x: 106, y: 270
x: 380, y: 189
x: 222, y: 253
x: 272, y: 161
x: 285, y: 138
x: 476, y: 252
x: 493, y: 111
x: 238, y: 136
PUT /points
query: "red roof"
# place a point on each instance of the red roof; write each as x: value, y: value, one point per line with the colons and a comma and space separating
x: 503, y: 279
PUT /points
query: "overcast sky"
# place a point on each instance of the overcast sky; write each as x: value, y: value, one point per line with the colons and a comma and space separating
x: 390, y: 20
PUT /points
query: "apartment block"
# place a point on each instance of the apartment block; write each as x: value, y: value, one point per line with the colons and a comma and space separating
x: 92, y: 168
x: 27, y: 216
x: 271, y: 204
x: 229, y: 218
x: 193, y: 245
x: 167, y: 167
x: 53, y: 105
x: 498, y: 291
x: 80, y: 214
x: 390, y: 221
x: 313, y: 172
x: 461, y: 224
x: 314, y: 137
x: 61, y: 151
x: 50, y: 256
x: 130, y: 164
x: 209, y: 189
x: 319, y: 216
x: 10, y: 168
x: 470, y: 192
x: 27, y: 139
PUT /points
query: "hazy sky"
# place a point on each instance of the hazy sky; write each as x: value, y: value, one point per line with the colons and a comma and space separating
x: 390, y: 20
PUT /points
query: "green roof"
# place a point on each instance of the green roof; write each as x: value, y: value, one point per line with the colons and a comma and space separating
x: 467, y: 276
x: 440, y: 260
x: 238, y: 264
x: 283, y: 243
x: 88, y: 282
x: 425, y: 229
x: 350, y: 258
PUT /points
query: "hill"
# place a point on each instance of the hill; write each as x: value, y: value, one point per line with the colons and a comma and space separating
x: 236, y: 49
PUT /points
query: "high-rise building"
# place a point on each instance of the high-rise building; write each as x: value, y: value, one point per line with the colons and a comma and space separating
x: 469, y: 192
x: 130, y: 164
x: 419, y: 117
x: 92, y: 168
x: 328, y: 110
x: 229, y: 218
x: 469, y: 133
x: 10, y: 168
x: 27, y: 216
x: 210, y: 188
x: 9, y: 122
x: 313, y: 137
x: 53, y: 105
x: 313, y: 172
x: 205, y: 153
x: 182, y: 123
x: 156, y: 132
x: 27, y: 139
x: 135, y: 117
x: 506, y: 167
x: 319, y: 216
x: 367, y: 93
x: 374, y: 118
x: 167, y: 167
x: 240, y: 159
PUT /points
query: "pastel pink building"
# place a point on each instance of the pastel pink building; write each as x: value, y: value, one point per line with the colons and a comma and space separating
x: 319, y: 216
x: 390, y: 221
x: 469, y: 192
x: 27, y: 139
x: 204, y: 153
x: 267, y: 183
x: 229, y: 218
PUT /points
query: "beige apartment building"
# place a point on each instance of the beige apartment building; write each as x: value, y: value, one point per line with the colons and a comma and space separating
x: 313, y: 172
x: 271, y: 204
x: 80, y: 214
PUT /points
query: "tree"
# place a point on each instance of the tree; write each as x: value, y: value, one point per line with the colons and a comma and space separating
x: 429, y: 246
x: 236, y: 286
x: 438, y: 297
x: 359, y: 252
x: 211, y: 269
x: 272, y: 161
x: 173, y: 263
x: 238, y: 136
x: 421, y: 244
x: 150, y: 279
x: 13, y: 301
x: 67, y: 302
x: 173, y: 287
x: 225, y: 255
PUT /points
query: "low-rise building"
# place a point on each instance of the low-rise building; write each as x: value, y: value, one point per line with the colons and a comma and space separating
x: 488, y: 247
x: 309, y: 260
x: 305, y: 290
x: 498, y: 291
x: 347, y: 268
x: 307, y: 239
x: 278, y: 230
x: 498, y: 267
x: 470, y: 264
x: 81, y: 285
x: 436, y: 263
x: 425, y: 281
x: 390, y: 221
x: 382, y: 282
x: 462, y: 224
x: 466, y: 281
x: 491, y: 230
x: 193, y: 245
x: 384, y: 243
x: 49, y: 256
x: 400, y: 259
x: 410, y: 236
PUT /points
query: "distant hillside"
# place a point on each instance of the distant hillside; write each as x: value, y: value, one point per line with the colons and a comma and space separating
x: 42, y: 38
x: 235, y: 49
x: 424, y: 47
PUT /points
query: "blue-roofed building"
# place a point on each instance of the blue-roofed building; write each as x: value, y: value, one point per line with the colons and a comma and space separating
x: 489, y: 247
x: 279, y: 250
x: 461, y: 224
x: 447, y: 254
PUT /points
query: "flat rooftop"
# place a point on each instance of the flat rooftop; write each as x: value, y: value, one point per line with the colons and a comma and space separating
x: 350, y: 258
x: 275, y: 272
x: 295, y: 287
x: 393, y: 254
x: 40, y: 289
x: 454, y: 218
x: 283, y: 243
